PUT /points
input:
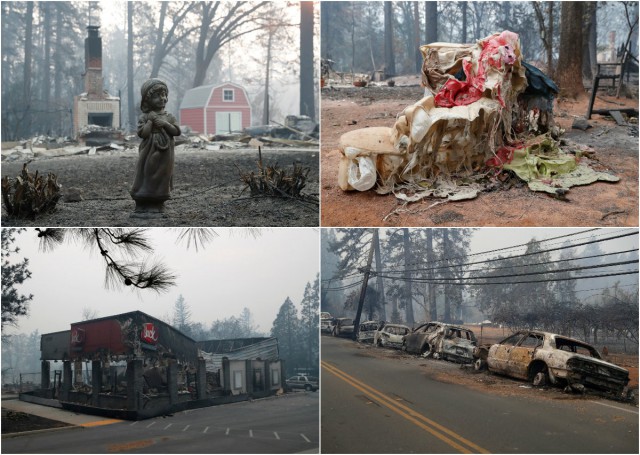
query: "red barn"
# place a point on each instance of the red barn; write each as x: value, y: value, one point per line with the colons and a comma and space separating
x: 215, y: 109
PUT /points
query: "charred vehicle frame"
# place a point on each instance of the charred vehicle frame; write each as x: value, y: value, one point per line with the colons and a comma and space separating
x: 390, y: 335
x: 446, y: 341
x: 548, y: 358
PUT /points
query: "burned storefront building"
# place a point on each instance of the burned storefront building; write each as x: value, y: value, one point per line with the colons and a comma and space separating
x: 135, y: 366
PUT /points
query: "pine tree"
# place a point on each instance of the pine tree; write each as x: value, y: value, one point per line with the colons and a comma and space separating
x: 286, y: 328
x: 14, y: 304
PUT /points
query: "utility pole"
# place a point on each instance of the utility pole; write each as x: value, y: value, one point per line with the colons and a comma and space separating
x: 380, y: 288
x: 433, y: 308
x: 365, y: 281
x: 407, y: 280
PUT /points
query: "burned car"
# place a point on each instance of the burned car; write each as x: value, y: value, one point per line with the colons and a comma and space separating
x: 342, y: 327
x: 542, y: 358
x: 367, y: 331
x: 390, y: 335
x: 449, y: 342
x: 308, y: 383
x: 326, y: 322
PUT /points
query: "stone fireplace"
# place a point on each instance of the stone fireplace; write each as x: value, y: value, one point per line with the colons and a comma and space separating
x: 95, y: 111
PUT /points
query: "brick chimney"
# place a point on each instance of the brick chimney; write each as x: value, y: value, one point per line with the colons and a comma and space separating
x: 93, y: 63
x: 94, y: 108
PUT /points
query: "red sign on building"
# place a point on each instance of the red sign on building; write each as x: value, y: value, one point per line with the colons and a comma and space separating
x: 149, y: 333
x: 77, y: 337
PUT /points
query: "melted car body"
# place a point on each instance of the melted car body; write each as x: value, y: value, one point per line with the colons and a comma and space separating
x: 543, y: 357
x: 450, y: 342
x: 326, y: 322
x: 342, y: 327
x: 367, y: 331
x: 390, y: 335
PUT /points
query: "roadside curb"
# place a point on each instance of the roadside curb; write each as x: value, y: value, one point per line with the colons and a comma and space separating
x: 44, y: 430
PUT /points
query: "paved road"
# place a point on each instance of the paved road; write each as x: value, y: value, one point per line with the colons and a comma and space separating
x: 374, y: 405
x: 287, y: 424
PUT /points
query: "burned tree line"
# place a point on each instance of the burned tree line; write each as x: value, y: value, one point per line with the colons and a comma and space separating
x: 365, y: 37
x: 430, y: 274
x: 186, y: 43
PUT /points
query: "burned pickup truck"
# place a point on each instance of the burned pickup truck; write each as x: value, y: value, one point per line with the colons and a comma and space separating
x: 449, y: 342
x: 547, y: 358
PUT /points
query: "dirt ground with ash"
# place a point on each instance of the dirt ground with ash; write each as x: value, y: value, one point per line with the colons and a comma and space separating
x: 17, y: 422
x: 599, y: 204
x: 484, y: 381
x: 207, y: 189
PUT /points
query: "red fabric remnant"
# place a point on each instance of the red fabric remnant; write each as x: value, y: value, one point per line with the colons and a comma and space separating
x: 504, y: 155
x: 496, y: 52
x: 461, y: 93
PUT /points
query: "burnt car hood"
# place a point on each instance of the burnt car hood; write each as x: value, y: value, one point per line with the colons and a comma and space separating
x: 601, y: 362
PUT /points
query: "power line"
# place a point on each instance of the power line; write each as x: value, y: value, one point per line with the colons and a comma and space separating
x: 533, y: 253
x: 547, y: 272
x: 518, y: 265
x: 508, y: 257
x: 519, y: 282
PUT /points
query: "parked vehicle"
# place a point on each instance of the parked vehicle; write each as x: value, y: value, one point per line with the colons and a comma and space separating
x: 308, y: 383
x: 342, y: 327
x: 367, y: 331
x: 326, y: 322
x: 548, y: 358
x: 390, y: 335
x: 446, y: 341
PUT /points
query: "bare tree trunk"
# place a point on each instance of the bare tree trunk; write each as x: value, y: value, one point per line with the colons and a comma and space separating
x: 464, y: 7
x: 26, y: 88
x: 589, y: 37
x: 431, y: 22
x: 307, y: 86
x: 46, y: 80
x: 550, y: 67
x: 353, y: 39
x: 165, y: 42
x: 234, y: 22
x: 546, y: 31
x: 389, y: 56
x: 265, y: 111
x: 569, y: 70
x: 131, y: 126
x: 416, y: 37
x: 157, y: 54
x: 57, y: 72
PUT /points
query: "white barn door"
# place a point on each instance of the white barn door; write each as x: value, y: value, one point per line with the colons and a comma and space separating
x: 228, y: 121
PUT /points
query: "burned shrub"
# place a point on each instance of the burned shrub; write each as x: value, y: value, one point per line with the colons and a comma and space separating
x: 30, y: 195
x: 273, y: 180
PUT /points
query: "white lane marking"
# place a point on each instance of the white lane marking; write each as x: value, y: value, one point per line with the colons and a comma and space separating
x: 276, y: 435
x: 206, y: 429
x: 133, y: 423
x: 168, y: 426
x: 615, y: 407
x: 227, y: 432
x: 251, y: 433
x: 185, y: 428
x: 151, y: 424
x: 304, y: 437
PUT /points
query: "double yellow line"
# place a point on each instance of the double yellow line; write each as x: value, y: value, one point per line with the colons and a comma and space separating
x: 444, y: 434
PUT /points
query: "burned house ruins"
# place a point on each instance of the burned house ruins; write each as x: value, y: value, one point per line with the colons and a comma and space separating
x: 134, y: 366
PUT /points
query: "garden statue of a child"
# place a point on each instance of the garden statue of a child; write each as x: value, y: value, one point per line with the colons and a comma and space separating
x: 154, y: 171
